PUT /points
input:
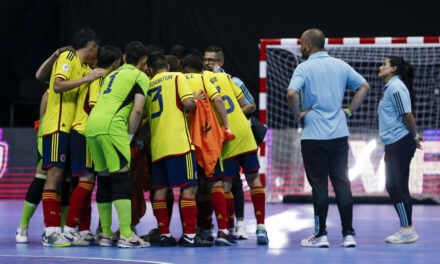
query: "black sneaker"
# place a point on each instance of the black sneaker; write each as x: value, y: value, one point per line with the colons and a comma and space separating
x: 167, y: 241
x: 223, y: 239
x: 153, y: 236
x: 186, y: 241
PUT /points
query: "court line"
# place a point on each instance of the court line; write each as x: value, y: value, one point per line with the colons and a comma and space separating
x: 85, y: 258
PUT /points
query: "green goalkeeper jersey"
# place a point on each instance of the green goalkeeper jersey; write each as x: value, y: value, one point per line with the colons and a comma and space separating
x: 116, y: 96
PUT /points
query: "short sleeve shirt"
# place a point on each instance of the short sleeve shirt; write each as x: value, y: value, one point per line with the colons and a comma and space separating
x: 395, y: 103
x: 321, y: 82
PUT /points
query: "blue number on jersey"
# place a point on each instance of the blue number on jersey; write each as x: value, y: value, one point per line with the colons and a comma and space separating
x: 112, y: 78
x: 227, y: 98
x: 158, y: 97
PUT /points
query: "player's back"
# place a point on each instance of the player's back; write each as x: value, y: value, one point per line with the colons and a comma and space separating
x: 244, y: 140
x: 60, y: 110
x: 111, y: 112
x: 169, y: 129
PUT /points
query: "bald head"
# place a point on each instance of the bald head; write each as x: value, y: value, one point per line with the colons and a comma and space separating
x: 314, y: 37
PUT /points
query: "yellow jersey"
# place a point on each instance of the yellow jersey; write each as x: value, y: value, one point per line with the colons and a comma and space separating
x: 60, y: 110
x: 87, y: 98
x: 244, y: 141
x: 163, y: 106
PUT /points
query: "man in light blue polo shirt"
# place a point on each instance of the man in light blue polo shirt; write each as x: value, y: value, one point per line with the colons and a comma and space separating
x: 321, y: 81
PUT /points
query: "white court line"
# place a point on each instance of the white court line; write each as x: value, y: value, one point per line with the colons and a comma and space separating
x: 84, y: 258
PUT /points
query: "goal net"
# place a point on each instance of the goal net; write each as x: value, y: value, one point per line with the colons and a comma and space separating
x: 281, y: 153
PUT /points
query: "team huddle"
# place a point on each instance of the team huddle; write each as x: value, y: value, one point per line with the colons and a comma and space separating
x: 140, y: 125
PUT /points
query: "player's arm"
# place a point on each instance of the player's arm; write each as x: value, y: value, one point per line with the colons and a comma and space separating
x: 136, y: 114
x: 221, y: 109
x: 61, y: 85
x: 249, y: 108
x: 293, y: 103
x: 45, y: 69
x: 250, y: 105
x: 43, y: 104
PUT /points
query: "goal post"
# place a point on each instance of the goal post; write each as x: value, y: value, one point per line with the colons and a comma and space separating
x: 280, y: 154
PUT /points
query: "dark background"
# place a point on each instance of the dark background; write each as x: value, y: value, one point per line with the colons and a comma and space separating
x: 30, y: 31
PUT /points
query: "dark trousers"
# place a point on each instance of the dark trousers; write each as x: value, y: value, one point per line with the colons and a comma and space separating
x: 398, y: 157
x: 237, y: 191
x: 323, y: 159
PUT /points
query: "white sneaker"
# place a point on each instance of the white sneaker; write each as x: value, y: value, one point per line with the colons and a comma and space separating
x: 104, y: 241
x: 55, y: 238
x: 74, y: 237
x: 88, y: 236
x: 315, y: 242
x: 349, y: 241
x: 404, y: 235
x: 241, y: 231
x: 133, y: 242
x: 21, y: 236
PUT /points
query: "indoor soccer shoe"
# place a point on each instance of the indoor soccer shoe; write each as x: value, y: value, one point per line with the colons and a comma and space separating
x: 233, y: 235
x: 153, y: 236
x: 196, y: 241
x: 75, y: 239
x: 241, y: 231
x: 88, y: 236
x: 403, y: 236
x: 21, y: 236
x: 349, y: 241
x: 56, y: 239
x: 104, y: 241
x: 206, y: 237
x: 262, y: 238
x: 223, y: 239
x: 133, y: 242
x: 315, y: 242
x: 167, y: 241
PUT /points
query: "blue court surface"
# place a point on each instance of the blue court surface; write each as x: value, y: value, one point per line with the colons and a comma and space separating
x: 287, y: 224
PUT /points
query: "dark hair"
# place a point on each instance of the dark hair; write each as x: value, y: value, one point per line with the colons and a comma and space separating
x: 174, y: 63
x: 220, y: 54
x: 315, y: 37
x: 134, y: 52
x: 179, y: 51
x: 192, y: 61
x: 107, y: 55
x: 152, y: 49
x: 157, y: 61
x: 406, y: 72
x: 83, y: 37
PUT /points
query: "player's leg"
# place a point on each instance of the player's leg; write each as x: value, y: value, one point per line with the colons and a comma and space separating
x: 316, y: 167
x: 231, y: 170
x: 238, y: 193
x: 397, y: 162
x: 250, y: 164
x: 338, y: 173
x: 80, y: 201
x: 54, y: 158
x: 117, y: 155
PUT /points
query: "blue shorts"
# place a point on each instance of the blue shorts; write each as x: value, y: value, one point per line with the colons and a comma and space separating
x: 80, y: 158
x: 174, y: 171
x: 55, y: 147
x: 218, y: 173
x: 248, y: 162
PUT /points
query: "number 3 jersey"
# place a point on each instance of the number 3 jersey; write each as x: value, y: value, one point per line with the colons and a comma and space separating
x: 116, y: 96
x: 169, y: 129
x: 244, y: 141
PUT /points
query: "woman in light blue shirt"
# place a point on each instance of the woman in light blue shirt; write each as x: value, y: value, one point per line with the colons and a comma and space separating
x: 398, y: 133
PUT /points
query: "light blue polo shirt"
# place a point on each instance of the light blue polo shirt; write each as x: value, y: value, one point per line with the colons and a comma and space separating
x: 396, y: 102
x: 321, y: 81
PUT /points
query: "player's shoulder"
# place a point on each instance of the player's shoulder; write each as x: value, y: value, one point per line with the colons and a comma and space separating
x: 68, y: 55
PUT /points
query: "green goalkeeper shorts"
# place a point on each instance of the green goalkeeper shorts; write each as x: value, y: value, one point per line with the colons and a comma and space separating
x: 109, y: 152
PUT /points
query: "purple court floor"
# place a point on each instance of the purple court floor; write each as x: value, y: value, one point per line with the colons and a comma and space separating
x: 287, y: 224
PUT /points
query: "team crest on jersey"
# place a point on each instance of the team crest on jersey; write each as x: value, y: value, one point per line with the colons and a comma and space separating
x: 65, y: 67
x: 63, y: 158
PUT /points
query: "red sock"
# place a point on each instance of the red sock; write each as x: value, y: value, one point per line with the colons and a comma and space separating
x: 230, y: 209
x: 78, y: 201
x: 86, y: 214
x: 189, y: 214
x: 161, y: 213
x: 258, y: 195
x: 51, y: 208
x: 219, y: 202
x: 204, y: 210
